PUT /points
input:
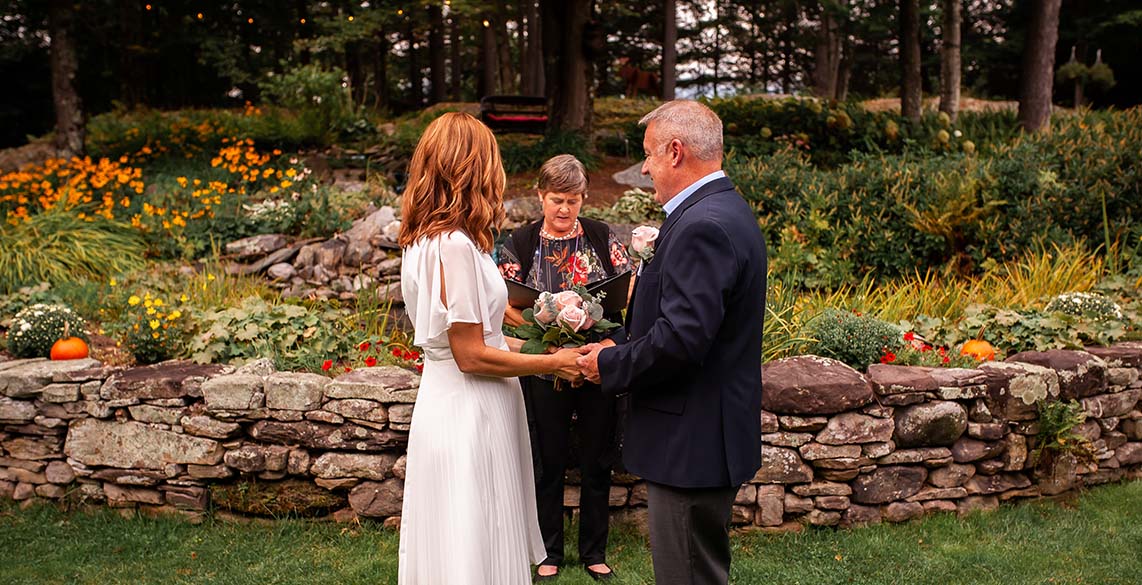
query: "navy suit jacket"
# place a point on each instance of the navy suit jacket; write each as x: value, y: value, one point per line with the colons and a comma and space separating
x: 691, y: 359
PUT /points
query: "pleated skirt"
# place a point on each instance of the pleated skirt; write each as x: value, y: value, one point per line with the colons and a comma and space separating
x: 469, y: 514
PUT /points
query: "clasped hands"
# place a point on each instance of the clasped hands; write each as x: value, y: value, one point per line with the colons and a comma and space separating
x: 580, y: 364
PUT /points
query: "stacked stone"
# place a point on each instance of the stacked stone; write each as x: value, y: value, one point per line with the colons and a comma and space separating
x: 162, y: 436
x: 340, y: 267
x: 842, y: 448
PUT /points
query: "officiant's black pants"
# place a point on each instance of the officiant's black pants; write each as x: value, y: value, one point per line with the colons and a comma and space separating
x: 550, y: 423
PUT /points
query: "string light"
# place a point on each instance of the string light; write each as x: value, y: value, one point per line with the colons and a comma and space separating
x: 250, y: 21
x: 148, y: 7
x: 303, y: 21
x: 400, y: 12
x: 350, y: 19
x: 199, y: 16
x: 487, y: 24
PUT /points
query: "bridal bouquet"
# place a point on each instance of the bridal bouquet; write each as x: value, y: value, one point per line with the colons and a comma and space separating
x: 570, y: 318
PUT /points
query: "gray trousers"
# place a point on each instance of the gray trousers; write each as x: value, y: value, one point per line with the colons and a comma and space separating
x: 689, y: 534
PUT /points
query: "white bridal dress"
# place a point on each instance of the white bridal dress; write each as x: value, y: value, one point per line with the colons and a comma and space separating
x: 469, y: 495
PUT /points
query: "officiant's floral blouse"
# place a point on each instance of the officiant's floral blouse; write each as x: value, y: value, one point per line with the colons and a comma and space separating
x: 560, y: 264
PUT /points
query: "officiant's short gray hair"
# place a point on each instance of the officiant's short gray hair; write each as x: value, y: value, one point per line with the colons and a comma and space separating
x: 692, y: 123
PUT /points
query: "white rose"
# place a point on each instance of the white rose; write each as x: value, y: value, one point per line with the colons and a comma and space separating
x: 574, y: 318
x: 642, y: 239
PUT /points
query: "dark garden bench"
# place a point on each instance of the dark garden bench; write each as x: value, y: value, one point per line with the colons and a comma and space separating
x: 514, y: 113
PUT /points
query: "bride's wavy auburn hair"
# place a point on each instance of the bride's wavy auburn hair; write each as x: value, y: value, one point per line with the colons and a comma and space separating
x: 455, y: 183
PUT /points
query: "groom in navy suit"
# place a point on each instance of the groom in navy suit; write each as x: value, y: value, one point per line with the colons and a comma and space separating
x: 690, y: 354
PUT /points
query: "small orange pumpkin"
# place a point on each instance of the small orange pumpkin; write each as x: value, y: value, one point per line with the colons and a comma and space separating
x: 69, y: 348
x: 979, y: 349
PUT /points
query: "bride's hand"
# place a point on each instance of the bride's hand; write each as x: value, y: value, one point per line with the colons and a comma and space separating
x: 566, y: 363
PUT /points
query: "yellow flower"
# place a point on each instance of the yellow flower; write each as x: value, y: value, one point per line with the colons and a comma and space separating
x: 148, y: 302
x: 209, y: 277
x: 134, y: 300
x: 291, y: 173
x: 158, y: 302
x: 183, y: 298
x: 113, y: 283
x: 174, y: 315
x: 155, y: 335
x: 151, y: 311
x: 154, y: 323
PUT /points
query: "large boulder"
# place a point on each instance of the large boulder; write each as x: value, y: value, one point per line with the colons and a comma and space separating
x: 930, y: 424
x: 779, y: 465
x: 136, y: 445
x: 1108, y: 405
x: 1127, y: 354
x: 812, y: 385
x: 359, y: 248
x: 382, y: 384
x: 1013, y: 388
x: 256, y: 246
x: 1080, y: 373
x: 313, y: 435
x: 339, y: 465
x: 853, y: 428
x: 26, y: 378
x: 379, y: 499
x: 175, y: 379
x: 888, y: 484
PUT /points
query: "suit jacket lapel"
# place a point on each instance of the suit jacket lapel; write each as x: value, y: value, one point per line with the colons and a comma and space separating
x: 716, y: 186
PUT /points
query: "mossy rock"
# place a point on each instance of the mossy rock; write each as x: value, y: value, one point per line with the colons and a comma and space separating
x: 291, y: 497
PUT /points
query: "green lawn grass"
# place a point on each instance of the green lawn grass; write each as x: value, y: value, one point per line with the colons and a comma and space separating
x: 1094, y: 539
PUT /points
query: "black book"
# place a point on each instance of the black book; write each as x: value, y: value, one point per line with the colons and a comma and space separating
x: 615, y: 288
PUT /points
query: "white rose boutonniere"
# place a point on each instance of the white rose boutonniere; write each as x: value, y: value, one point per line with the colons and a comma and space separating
x: 642, y: 242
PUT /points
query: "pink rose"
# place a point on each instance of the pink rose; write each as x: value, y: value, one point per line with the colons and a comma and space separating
x: 642, y: 241
x: 567, y: 298
x: 545, y: 311
x: 574, y: 318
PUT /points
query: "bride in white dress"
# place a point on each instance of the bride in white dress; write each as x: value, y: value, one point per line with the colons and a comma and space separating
x: 469, y: 513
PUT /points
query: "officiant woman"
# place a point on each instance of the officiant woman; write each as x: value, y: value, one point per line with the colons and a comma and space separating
x: 553, y: 254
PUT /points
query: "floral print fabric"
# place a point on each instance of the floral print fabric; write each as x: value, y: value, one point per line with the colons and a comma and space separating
x: 560, y: 264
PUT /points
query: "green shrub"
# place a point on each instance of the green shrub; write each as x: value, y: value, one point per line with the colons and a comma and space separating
x: 36, y: 328
x: 526, y: 154
x: 151, y: 328
x: 634, y: 207
x: 57, y: 246
x: 322, y: 103
x: 853, y: 339
x: 293, y: 336
x: 1057, y: 421
x: 1085, y: 305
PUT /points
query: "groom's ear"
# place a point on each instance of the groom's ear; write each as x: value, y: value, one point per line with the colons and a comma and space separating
x: 676, y: 152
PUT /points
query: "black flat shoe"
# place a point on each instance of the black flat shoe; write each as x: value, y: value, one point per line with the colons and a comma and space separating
x: 600, y: 576
x: 543, y: 578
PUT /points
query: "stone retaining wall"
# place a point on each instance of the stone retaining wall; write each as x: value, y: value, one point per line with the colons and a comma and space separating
x: 840, y: 447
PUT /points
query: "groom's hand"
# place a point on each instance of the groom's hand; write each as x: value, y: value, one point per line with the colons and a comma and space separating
x: 589, y: 363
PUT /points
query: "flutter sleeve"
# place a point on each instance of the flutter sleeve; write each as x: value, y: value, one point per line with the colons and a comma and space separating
x: 450, y: 262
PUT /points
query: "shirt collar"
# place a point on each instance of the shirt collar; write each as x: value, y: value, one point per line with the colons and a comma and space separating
x: 688, y: 191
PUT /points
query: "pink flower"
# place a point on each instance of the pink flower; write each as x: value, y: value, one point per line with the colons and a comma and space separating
x: 545, y: 311
x: 574, y: 318
x: 567, y: 298
x: 509, y: 270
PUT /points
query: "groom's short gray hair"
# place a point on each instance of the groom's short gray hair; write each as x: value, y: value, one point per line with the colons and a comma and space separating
x: 692, y: 123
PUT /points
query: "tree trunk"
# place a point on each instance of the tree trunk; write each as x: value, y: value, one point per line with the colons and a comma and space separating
x: 827, y: 58
x: 68, y: 107
x: 415, y: 78
x: 381, y: 69
x: 489, y: 59
x: 454, y: 40
x: 500, y: 24
x: 532, y: 83
x: 568, y: 71
x: 669, y: 49
x: 1038, y: 74
x: 950, y: 69
x: 132, y: 76
x: 910, y: 93
x: 436, y: 52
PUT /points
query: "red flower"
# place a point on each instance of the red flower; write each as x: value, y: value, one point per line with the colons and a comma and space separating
x: 947, y: 359
x: 407, y: 355
x: 348, y: 369
x: 925, y: 347
x: 396, y: 352
x: 327, y: 365
x: 420, y: 368
x: 415, y: 355
x: 364, y: 346
x: 370, y: 361
x: 888, y: 357
x: 909, y: 336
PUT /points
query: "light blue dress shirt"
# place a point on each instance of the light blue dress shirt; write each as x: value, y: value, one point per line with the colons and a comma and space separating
x: 688, y: 191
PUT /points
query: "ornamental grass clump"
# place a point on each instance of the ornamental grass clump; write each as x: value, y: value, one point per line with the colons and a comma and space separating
x: 36, y: 328
x: 852, y: 338
x: 1085, y: 305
